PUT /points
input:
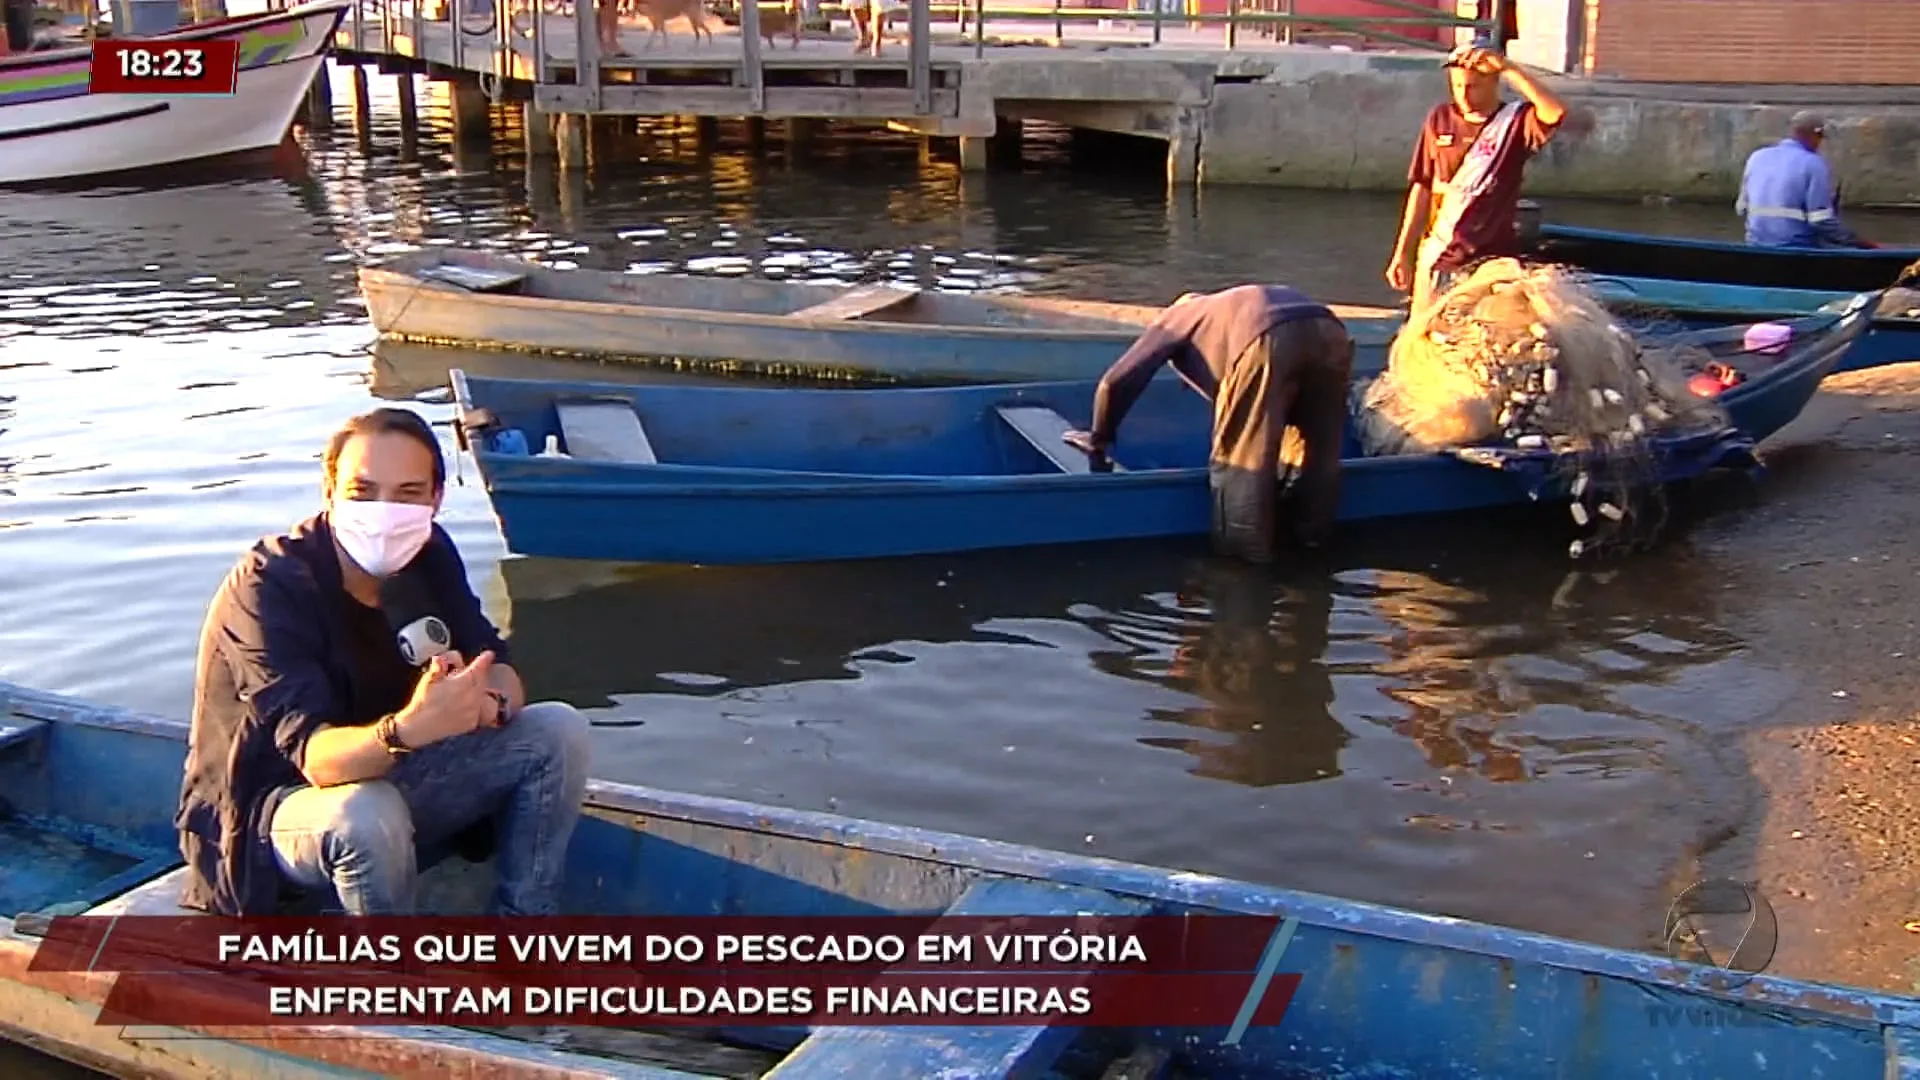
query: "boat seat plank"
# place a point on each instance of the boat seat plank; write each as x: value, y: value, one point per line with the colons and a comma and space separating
x: 474, y: 278
x: 1043, y: 428
x: 858, y: 303
x: 605, y: 431
x: 959, y: 1051
x: 21, y: 731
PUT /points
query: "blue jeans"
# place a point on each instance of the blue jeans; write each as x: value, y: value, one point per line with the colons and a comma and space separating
x: 359, y: 840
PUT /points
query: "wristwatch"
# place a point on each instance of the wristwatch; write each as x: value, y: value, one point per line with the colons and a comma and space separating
x: 387, y: 730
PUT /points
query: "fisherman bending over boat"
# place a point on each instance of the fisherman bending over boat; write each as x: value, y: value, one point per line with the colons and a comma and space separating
x: 1786, y: 192
x: 319, y: 755
x: 1270, y: 358
x: 1463, y: 193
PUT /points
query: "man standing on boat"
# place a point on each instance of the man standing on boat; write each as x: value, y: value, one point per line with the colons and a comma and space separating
x: 1272, y: 360
x: 320, y: 755
x: 1786, y: 192
x: 1463, y: 193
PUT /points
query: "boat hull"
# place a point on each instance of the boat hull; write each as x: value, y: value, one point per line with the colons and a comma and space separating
x: 1893, y: 338
x: 1381, y: 990
x: 1604, y: 251
x: 807, y: 475
x: 761, y: 324
x: 51, y: 129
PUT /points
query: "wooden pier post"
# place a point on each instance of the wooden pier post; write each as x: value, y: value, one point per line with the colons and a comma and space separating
x: 409, y: 110
x: 472, y: 119
x: 757, y: 133
x: 539, y: 131
x: 362, y: 103
x: 570, y: 138
x: 973, y: 153
x: 320, y: 98
x: 706, y: 133
x: 800, y: 132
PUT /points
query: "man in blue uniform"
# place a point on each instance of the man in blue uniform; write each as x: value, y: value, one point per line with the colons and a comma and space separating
x: 1270, y: 358
x: 1786, y: 194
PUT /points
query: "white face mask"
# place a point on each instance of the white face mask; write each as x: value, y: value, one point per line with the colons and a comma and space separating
x: 381, y: 537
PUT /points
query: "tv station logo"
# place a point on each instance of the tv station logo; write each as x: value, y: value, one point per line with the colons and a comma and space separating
x: 164, y: 67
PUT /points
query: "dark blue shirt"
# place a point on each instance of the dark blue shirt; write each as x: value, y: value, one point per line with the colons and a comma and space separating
x: 1202, y: 338
x: 284, y: 651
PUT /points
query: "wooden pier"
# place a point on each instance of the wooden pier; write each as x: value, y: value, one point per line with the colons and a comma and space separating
x: 942, y: 72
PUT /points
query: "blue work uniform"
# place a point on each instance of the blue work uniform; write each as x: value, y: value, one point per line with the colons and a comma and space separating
x: 1786, y: 195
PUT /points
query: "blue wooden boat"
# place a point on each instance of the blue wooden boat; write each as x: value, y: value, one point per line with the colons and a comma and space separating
x: 1382, y: 992
x: 1606, y: 251
x: 734, y: 475
x: 1649, y: 305
x: 481, y: 300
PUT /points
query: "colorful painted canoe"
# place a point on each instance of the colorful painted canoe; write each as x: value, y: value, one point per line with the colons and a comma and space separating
x: 1381, y: 992
x: 690, y: 474
x: 52, y: 129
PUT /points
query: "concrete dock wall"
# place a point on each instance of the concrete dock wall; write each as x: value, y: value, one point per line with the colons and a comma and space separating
x: 1347, y: 121
x: 1356, y: 131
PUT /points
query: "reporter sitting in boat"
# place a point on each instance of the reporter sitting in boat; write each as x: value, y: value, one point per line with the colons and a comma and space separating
x: 1272, y: 360
x: 319, y: 755
x: 1787, y: 192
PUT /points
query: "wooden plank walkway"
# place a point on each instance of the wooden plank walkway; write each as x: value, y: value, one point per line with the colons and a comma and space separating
x: 821, y: 77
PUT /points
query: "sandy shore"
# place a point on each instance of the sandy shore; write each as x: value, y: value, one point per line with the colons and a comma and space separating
x: 1825, y: 585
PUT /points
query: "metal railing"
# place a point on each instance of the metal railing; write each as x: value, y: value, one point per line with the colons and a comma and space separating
x: 511, y: 30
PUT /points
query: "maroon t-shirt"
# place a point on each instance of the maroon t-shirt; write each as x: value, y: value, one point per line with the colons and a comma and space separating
x: 1491, y: 228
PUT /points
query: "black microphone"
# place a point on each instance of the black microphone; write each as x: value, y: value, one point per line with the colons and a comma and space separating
x: 408, y: 606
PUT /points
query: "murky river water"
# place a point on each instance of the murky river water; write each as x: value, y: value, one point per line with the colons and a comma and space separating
x: 1441, y: 718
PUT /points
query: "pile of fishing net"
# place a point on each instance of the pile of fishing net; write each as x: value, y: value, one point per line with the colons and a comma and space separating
x: 1529, y: 356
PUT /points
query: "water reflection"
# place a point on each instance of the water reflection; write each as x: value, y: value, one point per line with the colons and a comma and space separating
x: 1255, y: 649
x: 180, y: 353
x: 1510, y: 668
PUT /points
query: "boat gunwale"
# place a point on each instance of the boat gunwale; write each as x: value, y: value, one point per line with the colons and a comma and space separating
x: 1549, y: 232
x: 1832, y: 342
x: 1119, y: 334
x: 392, y: 278
x: 321, y: 1047
x: 1831, y: 1003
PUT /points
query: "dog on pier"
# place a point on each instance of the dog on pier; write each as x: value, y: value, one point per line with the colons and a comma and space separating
x: 662, y: 12
x: 785, y: 19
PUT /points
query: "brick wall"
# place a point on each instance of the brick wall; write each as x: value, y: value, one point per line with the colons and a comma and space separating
x: 1853, y: 42
x: 1548, y: 31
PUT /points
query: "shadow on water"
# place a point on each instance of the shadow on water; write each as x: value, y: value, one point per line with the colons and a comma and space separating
x: 1430, y: 711
x: 1406, y: 693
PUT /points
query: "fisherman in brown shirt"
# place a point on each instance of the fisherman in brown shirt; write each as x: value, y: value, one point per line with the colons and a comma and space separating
x: 1463, y: 187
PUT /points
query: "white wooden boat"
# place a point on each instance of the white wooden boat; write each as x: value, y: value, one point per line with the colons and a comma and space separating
x: 476, y: 299
x: 52, y: 128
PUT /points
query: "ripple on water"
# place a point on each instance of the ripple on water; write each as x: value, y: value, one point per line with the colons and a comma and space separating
x: 1409, y: 724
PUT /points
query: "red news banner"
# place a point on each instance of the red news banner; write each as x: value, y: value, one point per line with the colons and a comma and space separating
x: 164, y: 67
x: 1078, y: 971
